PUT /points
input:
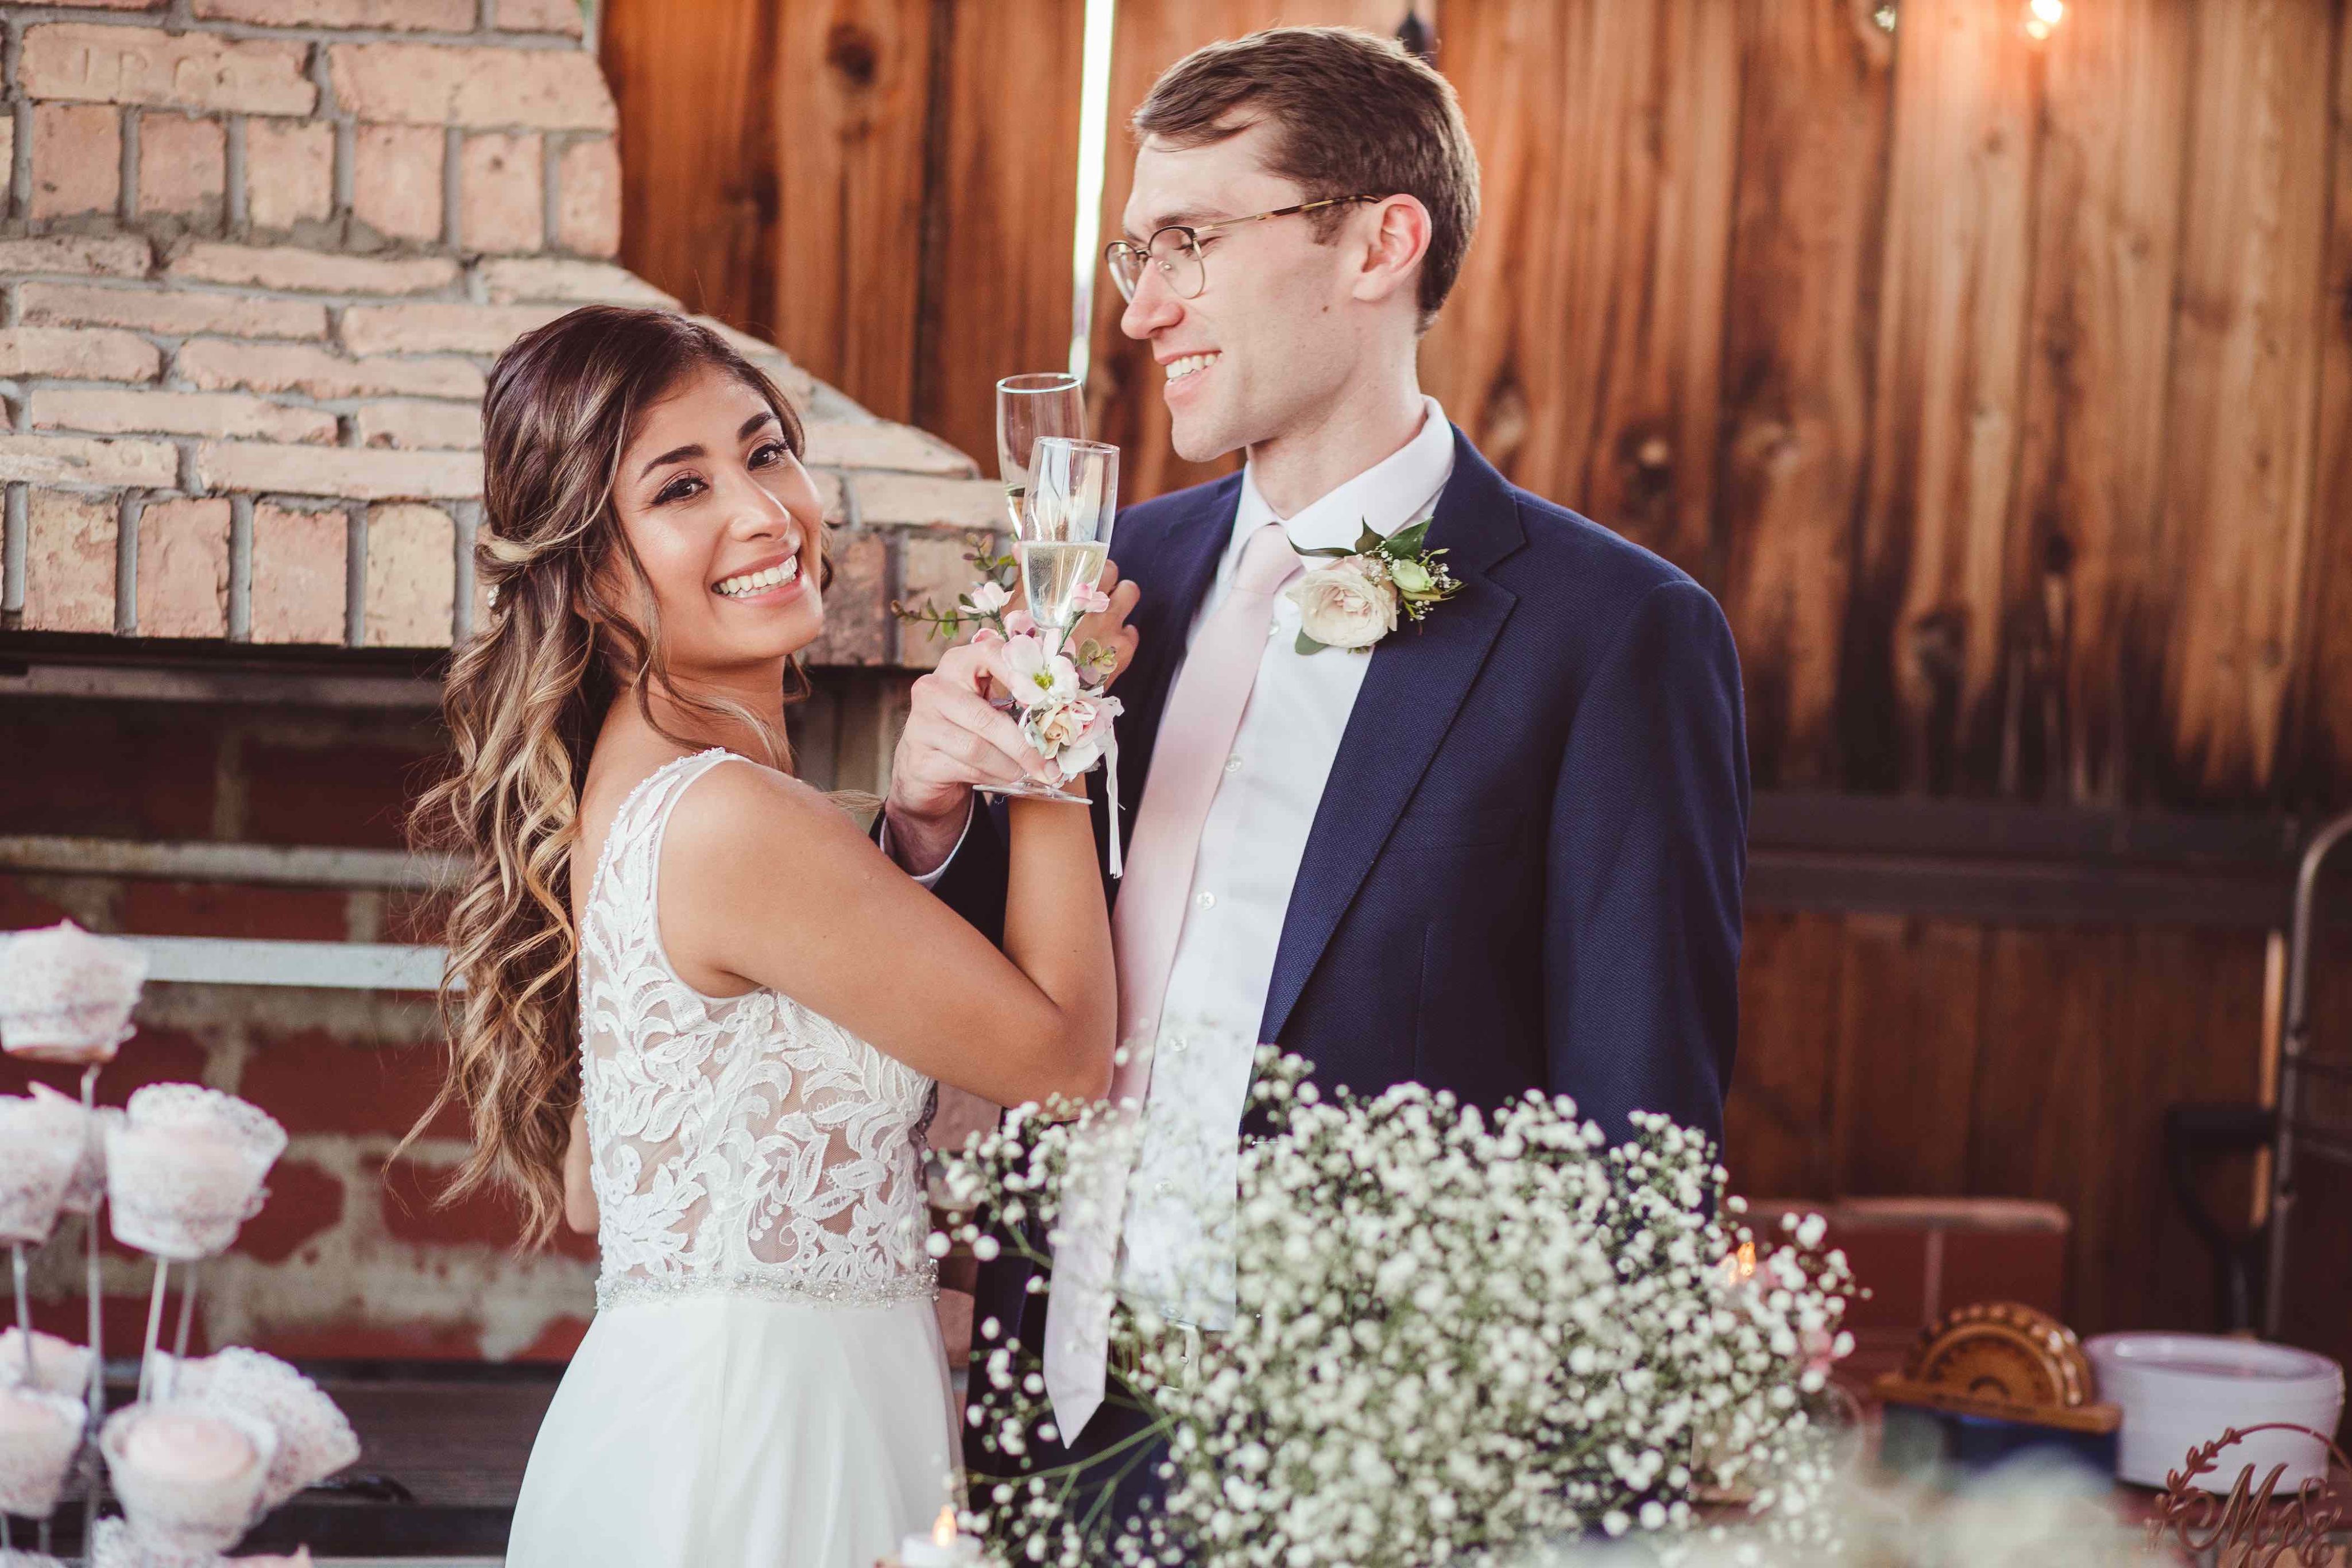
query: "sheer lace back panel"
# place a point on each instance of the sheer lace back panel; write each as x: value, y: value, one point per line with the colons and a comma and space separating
x: 742, y: 1144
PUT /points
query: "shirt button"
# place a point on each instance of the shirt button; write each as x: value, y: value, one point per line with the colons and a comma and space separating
x: 1207, y: 901
x: 1233, y: 763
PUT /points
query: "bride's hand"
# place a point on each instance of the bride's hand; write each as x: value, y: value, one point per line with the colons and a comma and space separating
x: 954, y: 742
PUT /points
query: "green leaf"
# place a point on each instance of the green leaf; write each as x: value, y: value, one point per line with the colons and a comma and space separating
x: 1367, y: 542
x: 1306, y: 645
x: 1332, y: 553
x: 1406, y: 542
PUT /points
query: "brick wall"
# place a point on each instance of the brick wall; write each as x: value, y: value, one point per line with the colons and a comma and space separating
x: 256, y: 257
x: 349, y: 1257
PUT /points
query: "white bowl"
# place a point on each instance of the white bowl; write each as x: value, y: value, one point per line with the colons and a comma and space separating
x: 2181, y: 1391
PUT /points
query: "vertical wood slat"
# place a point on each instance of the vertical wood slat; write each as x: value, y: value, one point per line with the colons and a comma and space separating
x: 851, y: 98
x: 2240, y: 438
x: 2083, y: 656
x: 1585, y: 355
x: 1002, y: 209
x: 1815, y: 85
x: 1922, y: 632
x: 2323, y: 742
x: 1908, y: 1039
x: 698, y: 176
x: 1778, y: 1117
x: 1123, y: 384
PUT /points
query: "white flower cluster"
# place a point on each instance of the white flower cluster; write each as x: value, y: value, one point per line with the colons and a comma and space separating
x: 1458, y: 1334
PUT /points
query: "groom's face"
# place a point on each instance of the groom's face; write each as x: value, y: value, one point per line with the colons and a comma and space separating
x: 1269, y: 340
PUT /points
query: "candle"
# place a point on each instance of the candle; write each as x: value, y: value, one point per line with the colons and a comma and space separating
x: 944, y: 1547
x: 187, y: 1447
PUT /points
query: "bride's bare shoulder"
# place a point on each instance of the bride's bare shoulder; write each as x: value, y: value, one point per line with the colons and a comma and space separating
x: 740, y: 807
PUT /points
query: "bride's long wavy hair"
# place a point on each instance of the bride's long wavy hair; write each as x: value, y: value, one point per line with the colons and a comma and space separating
x: 566, y: 635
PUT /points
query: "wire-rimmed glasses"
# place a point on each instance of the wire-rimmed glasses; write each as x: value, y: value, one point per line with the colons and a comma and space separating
x: 1175, y: 251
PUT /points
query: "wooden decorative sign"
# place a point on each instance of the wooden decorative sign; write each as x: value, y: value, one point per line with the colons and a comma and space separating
x: 2001, y: 1359
x: 2251, y: 1526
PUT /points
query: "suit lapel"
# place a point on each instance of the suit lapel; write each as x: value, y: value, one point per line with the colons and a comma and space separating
x: 1417, y: 682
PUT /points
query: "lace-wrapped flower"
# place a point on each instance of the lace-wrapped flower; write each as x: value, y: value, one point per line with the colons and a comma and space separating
x: 41, y: 1144
x: 39, y: 1435
x: 314, y: 1437
x: 189, y: 1471
x: 184, y: 1169
x: 59, y: 1365
x: 67, y: 995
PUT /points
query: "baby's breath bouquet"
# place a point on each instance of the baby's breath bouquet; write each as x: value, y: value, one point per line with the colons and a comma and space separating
x: 1457, y: 1334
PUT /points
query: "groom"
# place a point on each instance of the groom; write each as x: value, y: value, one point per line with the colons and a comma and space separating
x: 1500, y: 851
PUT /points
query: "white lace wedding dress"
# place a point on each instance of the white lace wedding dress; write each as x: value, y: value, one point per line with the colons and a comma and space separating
x: 764, y: 1382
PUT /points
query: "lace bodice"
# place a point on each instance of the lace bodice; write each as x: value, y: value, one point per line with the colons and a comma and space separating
x: 742, y: 1144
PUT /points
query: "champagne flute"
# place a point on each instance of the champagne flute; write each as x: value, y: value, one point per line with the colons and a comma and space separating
x: 1029, y: 407
x: 1061, y: 543
x: 1064, y: 537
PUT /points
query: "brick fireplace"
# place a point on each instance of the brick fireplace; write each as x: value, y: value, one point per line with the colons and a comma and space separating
x: 255, y: 259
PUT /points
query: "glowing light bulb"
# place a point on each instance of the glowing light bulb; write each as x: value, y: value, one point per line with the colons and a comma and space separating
x: 2042, y: 16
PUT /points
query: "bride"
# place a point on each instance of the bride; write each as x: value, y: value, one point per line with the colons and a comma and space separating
x: 668, y: 940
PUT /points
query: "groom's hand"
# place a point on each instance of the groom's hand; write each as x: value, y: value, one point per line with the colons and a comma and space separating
x: 954, y: 742
x: 1108, y: 629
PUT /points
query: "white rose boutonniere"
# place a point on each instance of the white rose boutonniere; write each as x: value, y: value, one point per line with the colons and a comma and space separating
x: 1358, y: 599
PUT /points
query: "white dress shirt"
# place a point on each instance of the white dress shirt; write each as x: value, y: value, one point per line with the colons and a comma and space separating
x: 1176, y: 1242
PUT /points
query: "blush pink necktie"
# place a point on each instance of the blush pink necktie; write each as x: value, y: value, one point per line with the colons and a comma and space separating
x: 1196, y: 733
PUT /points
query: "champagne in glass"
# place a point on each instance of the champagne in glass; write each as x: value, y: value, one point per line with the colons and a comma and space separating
x: 1029, y: 407
x: 1064, y: 538
x: 1053, y: 574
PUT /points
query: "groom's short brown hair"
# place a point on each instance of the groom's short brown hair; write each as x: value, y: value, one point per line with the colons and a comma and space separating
x: 1353, y: 113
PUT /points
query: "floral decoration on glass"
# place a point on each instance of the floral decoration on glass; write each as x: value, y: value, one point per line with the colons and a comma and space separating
x: 1358, y: 599
x: 1458, y: 1335
x: 1056, y: 692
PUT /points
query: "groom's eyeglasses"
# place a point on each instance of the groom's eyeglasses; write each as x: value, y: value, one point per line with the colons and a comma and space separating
x: 1175, y: 251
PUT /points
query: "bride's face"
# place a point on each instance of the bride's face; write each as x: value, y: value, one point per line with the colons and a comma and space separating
x: 727, y: 524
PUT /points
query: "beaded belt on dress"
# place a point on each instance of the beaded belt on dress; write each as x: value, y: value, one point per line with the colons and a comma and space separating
x: 921, y: 1284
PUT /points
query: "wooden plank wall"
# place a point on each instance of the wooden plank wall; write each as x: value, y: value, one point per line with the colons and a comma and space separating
x: 887, y: 188
x: 2001, y: 392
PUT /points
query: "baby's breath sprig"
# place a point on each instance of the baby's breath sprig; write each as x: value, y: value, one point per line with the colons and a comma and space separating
x: 1459, y: 1334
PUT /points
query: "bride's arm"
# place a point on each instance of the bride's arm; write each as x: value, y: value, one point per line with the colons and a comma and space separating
x: 764, y: 882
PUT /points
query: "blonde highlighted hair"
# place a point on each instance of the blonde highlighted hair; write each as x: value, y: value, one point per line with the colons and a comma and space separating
x: 523, y: 700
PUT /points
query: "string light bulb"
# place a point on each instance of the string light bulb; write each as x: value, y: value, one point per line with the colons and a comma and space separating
x: 2041, y: 19
x: 1885, y: 17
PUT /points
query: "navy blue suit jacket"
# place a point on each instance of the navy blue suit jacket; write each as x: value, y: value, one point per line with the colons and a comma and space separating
x: 1525, y: 872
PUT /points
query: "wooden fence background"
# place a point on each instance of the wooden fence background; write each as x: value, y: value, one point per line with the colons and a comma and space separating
x: 2001, y: 392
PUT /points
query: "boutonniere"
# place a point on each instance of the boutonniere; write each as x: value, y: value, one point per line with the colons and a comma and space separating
x: 1358, y: 599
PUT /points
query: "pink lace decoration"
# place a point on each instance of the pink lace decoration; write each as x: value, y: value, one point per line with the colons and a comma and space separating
x: 65, y: 995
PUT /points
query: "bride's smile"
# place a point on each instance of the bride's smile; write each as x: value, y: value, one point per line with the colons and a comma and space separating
x: 770, y: 582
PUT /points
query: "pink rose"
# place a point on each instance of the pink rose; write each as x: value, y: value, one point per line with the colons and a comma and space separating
x: 1349, y: 603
